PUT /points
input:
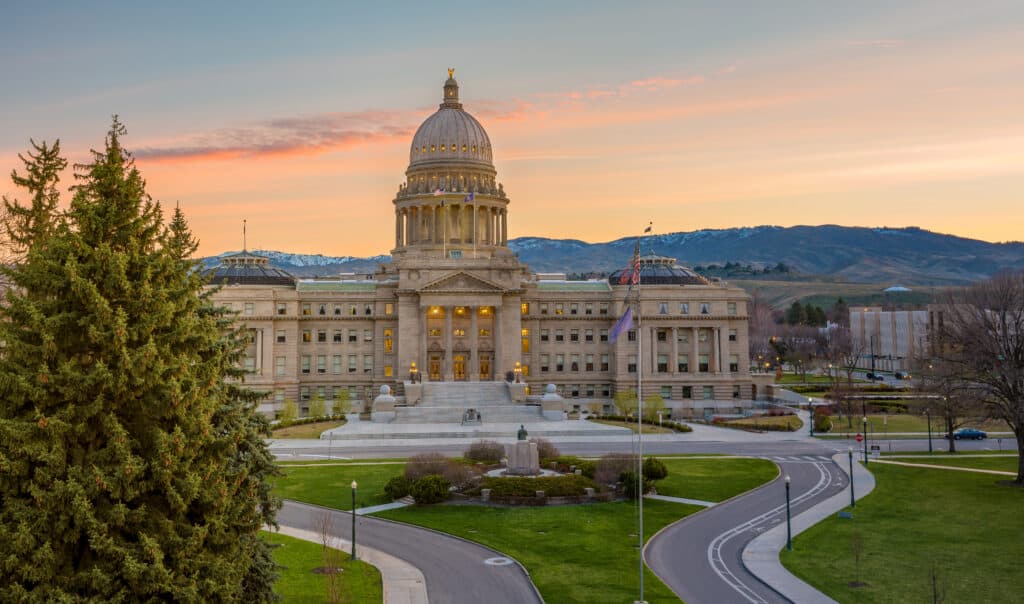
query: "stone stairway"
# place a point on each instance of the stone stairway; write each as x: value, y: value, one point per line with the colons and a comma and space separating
x: 445, y: 403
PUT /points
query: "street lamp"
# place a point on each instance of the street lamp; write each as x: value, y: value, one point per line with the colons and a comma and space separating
x: 849, y: 452
x: 354, y: 485
x: 413, y: 371
x: 789, y: 528
x: 928, y: 414
x: 810, y: 405
x: 518, y: 371
x: 865, y: 440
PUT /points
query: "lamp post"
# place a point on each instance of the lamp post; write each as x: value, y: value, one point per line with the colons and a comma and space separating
x: 354, y: 485
x: 853, y: 502
x: 413, y: 371
x: 928, y: 414
x: 518, y: 371
x: 789, y: 529
x: 810, y: 405
x: 865, y: 440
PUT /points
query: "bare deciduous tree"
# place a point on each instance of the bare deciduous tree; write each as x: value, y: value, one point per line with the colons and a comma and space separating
x: 951, y: 399
x: 980, y: 333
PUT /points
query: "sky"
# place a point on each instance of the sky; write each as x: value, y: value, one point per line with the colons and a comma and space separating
x: 603, y: 116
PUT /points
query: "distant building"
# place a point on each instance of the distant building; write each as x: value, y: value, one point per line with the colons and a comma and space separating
x: 894, y: 337
x: 455, y: 304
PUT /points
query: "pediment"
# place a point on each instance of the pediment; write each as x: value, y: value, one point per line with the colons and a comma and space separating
x: 461, y: 282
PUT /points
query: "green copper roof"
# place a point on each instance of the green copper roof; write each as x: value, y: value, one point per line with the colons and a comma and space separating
x: 337, y: 286
x: 573, y: 286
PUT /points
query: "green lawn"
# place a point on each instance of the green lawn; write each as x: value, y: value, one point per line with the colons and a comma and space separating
x: 964, y: 525
x: 359, y: 582
x: 330, y: 485
x: 714, y: 480
x: 792, y: 378
x: 907, y: 422
x: 306, y: 430
x: 1002, y: 464
x: 580, y: 553
x: 648, y: 428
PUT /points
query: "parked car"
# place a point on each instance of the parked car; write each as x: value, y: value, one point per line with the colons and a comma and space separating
x: 968, y: 433
x: 875, y: 376
x: 900, y: 375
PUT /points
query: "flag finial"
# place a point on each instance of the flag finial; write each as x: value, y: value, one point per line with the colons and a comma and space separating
x: 451, y: 72
x: 244, y: 248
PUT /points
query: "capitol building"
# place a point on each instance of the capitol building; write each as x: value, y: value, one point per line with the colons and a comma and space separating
x: 454, y: 304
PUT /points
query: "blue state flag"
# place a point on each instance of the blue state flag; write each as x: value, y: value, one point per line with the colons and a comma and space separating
x: 469, y: 197
x: 622, y: 325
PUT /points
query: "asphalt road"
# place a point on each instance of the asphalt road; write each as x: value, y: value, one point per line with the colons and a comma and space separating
x: 699, y: 557
x: 456, y: 571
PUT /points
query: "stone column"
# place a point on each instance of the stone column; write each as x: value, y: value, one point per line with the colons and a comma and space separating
x: 504, y: 227
x: 652, y: 348
x: 424, y: 356
x: 695, y: 350
x: 673, y: 361
x: 449, y: 368
x: 498, y: 362
x: 474, y: 356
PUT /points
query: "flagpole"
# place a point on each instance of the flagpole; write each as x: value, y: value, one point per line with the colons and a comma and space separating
x: 640, y: 406
x: 444, y: 229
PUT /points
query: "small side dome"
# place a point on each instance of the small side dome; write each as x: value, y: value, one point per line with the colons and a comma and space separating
x: 659, y: 270
x: 245, y: 268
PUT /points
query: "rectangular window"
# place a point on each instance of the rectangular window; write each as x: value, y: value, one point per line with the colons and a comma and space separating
x: 736, y: 391
x: 702, y: 363
x: 559, y: 308
x: 250, y: 308
x: 307, y: 335
x: 367, y: 363
x: 280, y: 364
x: 574, y: 335
x: 367, y: 335
x: 732, y: 309
x: 543, y: 335
x: 588, y: 308
x: 279, y: 396
x: 524, y: 308
x: 687, y: 391
x: 337, y: 336
x: 559, y: 335
x: 683, y: 336
x: 368, y: 310
x: 590, y: 362
x: 590, y: 390
x: 544, y: 363
x: 574, y: 362
x: 588, y: 335
x: 307, y: 309
x: 603, y: 308
x: 484, y: 332
x: 666, y: 392
x: 709, y: 392
x: 543, y: 309
x: 525, y: 335
x: 321, y: 392
x: 732, y: 335
x: 280, y: 335
x: 574, y: 390
x: 305, y: 363
x: 604, y: 362
x: 321, y: 309
x: 684, y: 308
x: 336, y: 364
x: 631, y: 335
x: 321, y: 335
x: 631, y: 363
x: 337, y: 309
x: 353, y: 335
x: 282, y: 308
x: 683, y: 363
x: 304, y: 393
x: 352, y: 361
x: 705, y: 308
x: 388, y: 371
x: 606, y: 390
x: 250, y: 364
x: 352, y: 310
x: 434, y: 332
x: 559, y: 362
x: 574, y: 309
x: 335, y: 392
x: 662, y: 335
x: 389, y: 308
x: 662, y: 363
x: 526, y: 372
x: 663, y: 308
x: 389, y: 344
x: 321, y: 363
x: 604, y: 335
x: 734, y: 363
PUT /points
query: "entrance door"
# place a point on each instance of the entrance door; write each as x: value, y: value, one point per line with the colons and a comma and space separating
x: 459, y: 364
x: 485, y: 367
x: 435, y: 367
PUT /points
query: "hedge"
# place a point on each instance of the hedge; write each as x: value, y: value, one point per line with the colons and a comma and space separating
x: 522, y: 486
x: 671, y: 425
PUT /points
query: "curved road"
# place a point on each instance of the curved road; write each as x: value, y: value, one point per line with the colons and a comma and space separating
x: 699, y: 557
x: 455, y: 570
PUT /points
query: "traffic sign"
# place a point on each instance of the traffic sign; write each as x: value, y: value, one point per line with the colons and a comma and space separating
x: 860, y: 437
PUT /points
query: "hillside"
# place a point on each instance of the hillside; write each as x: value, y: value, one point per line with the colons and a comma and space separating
x: 908, y: 256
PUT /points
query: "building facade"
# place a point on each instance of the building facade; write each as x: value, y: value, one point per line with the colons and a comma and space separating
x: 455, y: 304
x: 896, y: 338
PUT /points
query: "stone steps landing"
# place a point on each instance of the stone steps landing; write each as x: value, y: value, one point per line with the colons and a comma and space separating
x: 448, y: 414
x: 465, y: 395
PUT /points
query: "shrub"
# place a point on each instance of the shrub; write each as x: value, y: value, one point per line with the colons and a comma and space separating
x: 486, y: 451
x: 397, y: 487
x: 425, y: 464
x: 629, y: 485
x: 522, y: 486
x: 654, y: 469
x: 430, y: 489
x: 459, y: 475
x: 564, y: 462
x: 611, y: 466
x: 545, y: 448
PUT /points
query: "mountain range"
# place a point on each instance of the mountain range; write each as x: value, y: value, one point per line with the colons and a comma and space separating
x: 907, y: 255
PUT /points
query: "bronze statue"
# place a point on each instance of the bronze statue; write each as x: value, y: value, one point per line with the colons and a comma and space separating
x: 521, y: 435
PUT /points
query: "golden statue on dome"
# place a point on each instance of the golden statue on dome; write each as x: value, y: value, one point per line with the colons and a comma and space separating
x: 451, y: 72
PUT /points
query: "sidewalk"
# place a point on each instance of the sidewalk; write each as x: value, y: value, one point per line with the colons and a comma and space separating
x: 761, y: 556
x: 403, y: 583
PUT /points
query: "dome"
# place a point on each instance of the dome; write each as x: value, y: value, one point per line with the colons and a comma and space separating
x: 245, y: 268
x: 660, y: 270
x: 450, y: 134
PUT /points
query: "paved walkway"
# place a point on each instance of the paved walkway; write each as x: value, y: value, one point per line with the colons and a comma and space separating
x: 403, y: 583
x: 706, y: 504
x: 937, y: 467
x: 373, y: 509
x: 761, y: 556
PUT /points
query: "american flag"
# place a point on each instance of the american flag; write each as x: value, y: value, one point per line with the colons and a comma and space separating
x: 632, y: 274
x: 438, y: 192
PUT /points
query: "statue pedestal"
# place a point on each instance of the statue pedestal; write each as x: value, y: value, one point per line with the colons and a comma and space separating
x: 552, y: 405
x: 383, y: 410
x: 522, y: 459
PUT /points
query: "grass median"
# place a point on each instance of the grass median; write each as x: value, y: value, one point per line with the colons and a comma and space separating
x: 358, y: 581
x: 330, y: 485
x: 714, y: 480
x: 962, y: 526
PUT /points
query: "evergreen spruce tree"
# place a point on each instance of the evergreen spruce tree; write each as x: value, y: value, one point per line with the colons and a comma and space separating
x: 132, y: 461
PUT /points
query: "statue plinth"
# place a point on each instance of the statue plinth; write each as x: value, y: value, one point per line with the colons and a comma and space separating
x: 522, y: 458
